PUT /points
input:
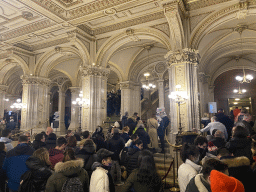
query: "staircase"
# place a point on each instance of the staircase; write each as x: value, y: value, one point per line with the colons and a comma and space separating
x: 149, y: 105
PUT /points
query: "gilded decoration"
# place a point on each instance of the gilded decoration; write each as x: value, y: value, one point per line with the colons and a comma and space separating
x: 95, y: 71
x: 35, y: 80
x: 185, y: 55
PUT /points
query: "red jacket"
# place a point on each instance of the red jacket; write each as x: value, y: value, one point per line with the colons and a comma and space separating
x: 55, y: 156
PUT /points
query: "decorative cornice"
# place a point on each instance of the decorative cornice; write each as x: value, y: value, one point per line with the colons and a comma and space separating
x: 203, y: 78
x: 95, y: 71
x: 192, y: 4
x: 185, y: 55
x: 35, y: 80
x: 127, y: 85
x: 3, y: 88
x: 6, y: 54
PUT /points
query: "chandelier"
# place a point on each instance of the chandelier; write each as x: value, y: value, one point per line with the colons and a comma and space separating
x: 239, y: 91
x: 148, y: 85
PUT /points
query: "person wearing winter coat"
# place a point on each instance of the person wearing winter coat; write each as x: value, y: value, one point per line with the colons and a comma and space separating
x: 39, y: 141
x: 124, y: 119
x: 6, y: 133
x: 39, y: 165
x: 161, y: 129
x: 145, y: 178
x: 132, y: 122
x: 101, y: 179
x: 190, y: 168
x: 2, y: 158
x: 201, y: 182
x: 15, y: 162
x: 56, y: 154
x: 133, y: 155
x: 152, y: 125
x: 51, y: 141
x: 142, y: 134
x: 240, y: 144
x: 69, y: 167
x: 116, y: 144
x: 88, y: 154
x: 125, y: 134
x: 98, y: 138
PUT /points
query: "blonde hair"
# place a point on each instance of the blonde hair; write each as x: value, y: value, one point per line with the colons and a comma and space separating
x: 43, y: 155
x: 126, y: 129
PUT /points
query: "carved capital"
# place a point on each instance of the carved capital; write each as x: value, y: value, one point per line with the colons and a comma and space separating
x: 35, y: 80
x: 74, y: 90
x: 3, y: 88
x: 95, y: 71
x: 127, y: 85
x: 203, y: 78
x: 186, y: 55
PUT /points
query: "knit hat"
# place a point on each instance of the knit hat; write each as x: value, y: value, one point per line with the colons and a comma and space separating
x: 223, y: 183
x: 103, y: 153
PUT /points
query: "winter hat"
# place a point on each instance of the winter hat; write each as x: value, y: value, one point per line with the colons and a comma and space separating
x: 223, y: 183
x: 103, y: 153
x: 116, y: 124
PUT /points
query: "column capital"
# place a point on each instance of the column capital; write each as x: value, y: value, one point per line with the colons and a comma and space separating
x: 74, y: 89
x: 185, y: 55
x: 128, y: 85
x: 35, y: 80
x: 95, y: 71
x: 3, y: 88
x: 203, y: 78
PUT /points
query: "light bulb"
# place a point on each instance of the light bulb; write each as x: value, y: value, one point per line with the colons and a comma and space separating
x: 178, y: 86
x: 243, y: 90
x: 237, y: 99
x: 235, y: 91
x: 73, y: 102
x: 239, y: 78
x: 150, y: 84
x: 249, y: 77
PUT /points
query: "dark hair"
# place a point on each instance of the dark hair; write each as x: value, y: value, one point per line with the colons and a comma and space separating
x: 214, y: 131
x: 43, y: 132
x: 86, y: 134
x: 223, y: 151
x: 52, y: 136
x: 138, y: 142
x: 213, y: 164
x: 69, y: 154
x: 2, y: 146
x: 71, y: 141
x: 39, y: 136
x: 215, y: 118
x: 147, y: 173
x: 6, y: 132
x: 60, y: 141
x: 200, y: 140
x: 134, y: 136
x: 188, y: 150
x: 23, y: 138
x: 135, y: 113
x: 69, y: 131
x: 240, y: 132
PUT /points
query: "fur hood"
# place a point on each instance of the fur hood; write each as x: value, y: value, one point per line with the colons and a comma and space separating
x: 236, y: 161
x: 69, y: 167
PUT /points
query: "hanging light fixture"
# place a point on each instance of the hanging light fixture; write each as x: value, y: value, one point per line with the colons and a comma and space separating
x: 239, y: 91
x: 245, y: 78
x: 148, y: 85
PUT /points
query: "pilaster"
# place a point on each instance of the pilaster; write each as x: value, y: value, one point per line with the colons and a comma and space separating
x: 161, y: 92
x: 75, y: 121
x: 35, y: 98
x: 3, y: 89
x: 94, y: 87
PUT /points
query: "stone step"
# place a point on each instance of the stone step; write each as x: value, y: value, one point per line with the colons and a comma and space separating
x: 161, y: 166
x: 161, y: 155
x: 161, y: 160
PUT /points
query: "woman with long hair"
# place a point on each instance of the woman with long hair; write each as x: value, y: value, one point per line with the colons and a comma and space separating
x: 69, y: 167
x: 72, y: 142
x: 39, y: 141
x: 39, y: 165
x: 145, y: 178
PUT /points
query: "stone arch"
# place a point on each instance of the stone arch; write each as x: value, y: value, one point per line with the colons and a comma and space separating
x: 116, y: 69
x: 111, y: 45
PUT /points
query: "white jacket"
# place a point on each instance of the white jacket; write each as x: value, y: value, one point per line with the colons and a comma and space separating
x: 186, y: 172
x: 99, y: 180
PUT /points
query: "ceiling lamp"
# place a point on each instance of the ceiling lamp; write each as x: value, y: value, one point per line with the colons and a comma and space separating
x: 237, y: 99
x: 239, y: 91
x: 147, y: 74
x: 245, y: 78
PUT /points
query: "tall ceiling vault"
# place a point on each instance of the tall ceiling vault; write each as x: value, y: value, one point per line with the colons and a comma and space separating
x: 55, y: 38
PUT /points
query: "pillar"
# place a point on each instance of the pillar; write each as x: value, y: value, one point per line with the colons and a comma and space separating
x: 183, y: 71
x: 61, y: 109
x: 161, y: 92
x: 204, y: 93
x: 35, y: 98
x: 75, y: 121
x: 3, y: 90
x: 94, y: 87
x: 130, y: 98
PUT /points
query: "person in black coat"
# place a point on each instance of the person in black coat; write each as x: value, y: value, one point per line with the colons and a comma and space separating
x: 125, y: 134
x: 88, y: 154
x: 39, y: 165
x: 2, y: 158
x: 131, y: 162
x: 132, y: 122
x: 98, y: 139
x: 225, y: 120
x: 161, y: 129
x: 51, y: 141
x: 143, y: 135
x: 39, y: 141
x: 240, y: 144
x: 116, y: 144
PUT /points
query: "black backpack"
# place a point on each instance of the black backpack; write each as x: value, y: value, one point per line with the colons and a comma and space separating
x: 123, y: 156
x: 26, y: 183
x: 72, y: 184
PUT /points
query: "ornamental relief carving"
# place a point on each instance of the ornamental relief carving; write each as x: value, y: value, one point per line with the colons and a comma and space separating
x: 35, y: 80
x: 95, y: 72
x: 3, y: 88
x: 180, y: 76
x: 185, y: 55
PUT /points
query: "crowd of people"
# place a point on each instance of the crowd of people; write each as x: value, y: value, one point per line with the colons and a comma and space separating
x: 86, y: 162
x: 224, y: 160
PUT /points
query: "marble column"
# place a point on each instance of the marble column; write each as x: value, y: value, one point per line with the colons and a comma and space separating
x: 161, y: 92
x: 34, y: 98
x: 94, y: 87
x: 3, y: 90
x: 204, y: 90
x: 183, y: 71
x: 75, y: 121
x: 61, y: 109
x: 130, y: 98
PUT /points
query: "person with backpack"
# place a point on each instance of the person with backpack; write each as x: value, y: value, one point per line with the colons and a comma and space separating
x: 34, y: 180
x: 69, y: 175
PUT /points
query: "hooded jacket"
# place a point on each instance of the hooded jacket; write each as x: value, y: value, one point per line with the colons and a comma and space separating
x: 15, y: 164
x: 40, y: 172
x: 132, y: 159
x: 198, y: 184
x: 64, y: 170
x: 55, y: 156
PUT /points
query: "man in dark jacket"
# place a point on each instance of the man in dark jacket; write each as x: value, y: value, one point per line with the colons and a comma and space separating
x: 133, y: 155
x: 201, y: 182
x: 15, y: 163
x: 224, y: 119
x: 116, y: 144
x: 161, y: 129
x: 132, y: 122
x: 143, y: 135
x: 56, y: 154
x: 124, y: 119
x: 51, y: 141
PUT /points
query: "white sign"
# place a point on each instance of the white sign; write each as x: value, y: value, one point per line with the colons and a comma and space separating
x: 212, y: 106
